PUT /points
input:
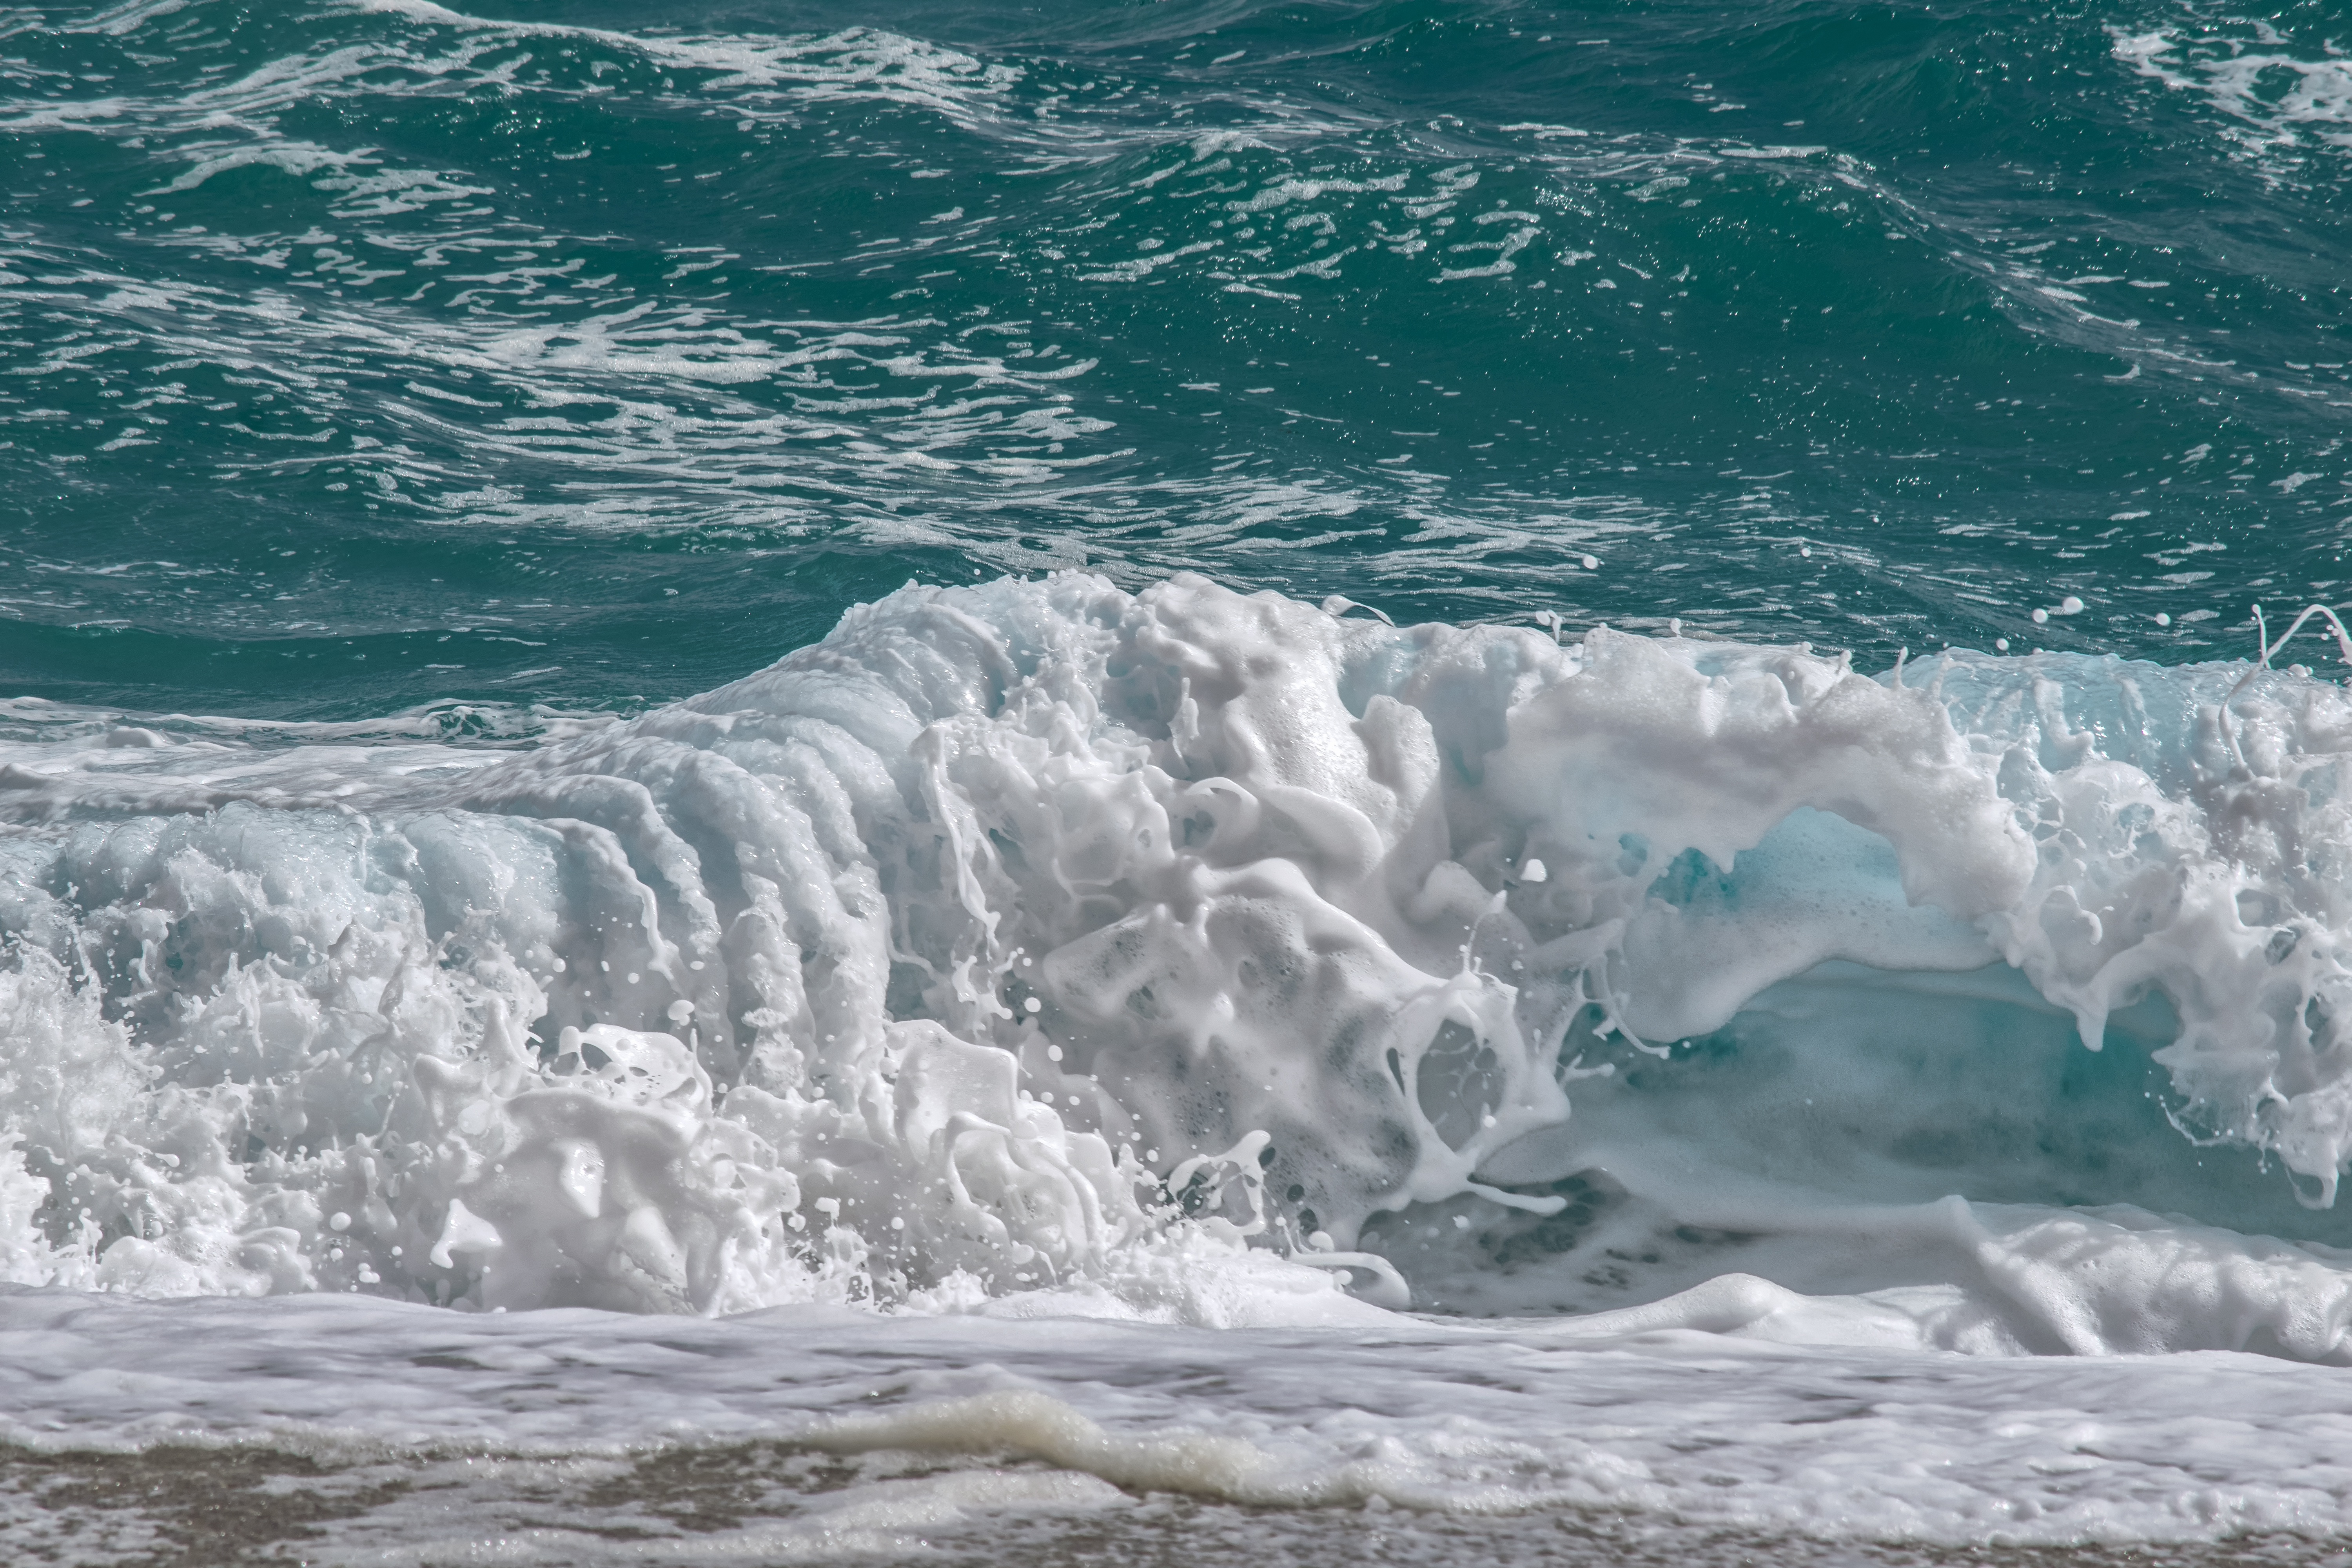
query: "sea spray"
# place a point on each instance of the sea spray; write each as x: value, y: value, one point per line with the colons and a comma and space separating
x: 1015, y: 934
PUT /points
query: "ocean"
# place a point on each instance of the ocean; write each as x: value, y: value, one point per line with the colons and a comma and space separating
x: 1426, y: 781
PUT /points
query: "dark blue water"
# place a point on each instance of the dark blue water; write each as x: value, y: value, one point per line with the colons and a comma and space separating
x: 354, y: 358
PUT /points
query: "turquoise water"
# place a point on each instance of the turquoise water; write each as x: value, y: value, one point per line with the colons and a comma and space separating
x: 560, y: 773
x: 361, y: 357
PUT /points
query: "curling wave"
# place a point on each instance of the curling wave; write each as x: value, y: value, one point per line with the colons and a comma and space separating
x: 1187, y: 952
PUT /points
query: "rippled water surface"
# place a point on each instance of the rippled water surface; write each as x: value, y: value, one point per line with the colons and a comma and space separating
x: 365, y: 355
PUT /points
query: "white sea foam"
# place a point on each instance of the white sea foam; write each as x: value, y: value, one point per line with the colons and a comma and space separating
x: 1699, y: 1415
x: 1036, y: 936
x: 2244, y: 71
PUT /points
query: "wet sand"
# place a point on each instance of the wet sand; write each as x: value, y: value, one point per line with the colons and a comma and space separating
x: 191, y: 1507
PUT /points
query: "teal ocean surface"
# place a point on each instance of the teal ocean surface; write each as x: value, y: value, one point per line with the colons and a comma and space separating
x: 1462, y: 779
x: 362, y: 357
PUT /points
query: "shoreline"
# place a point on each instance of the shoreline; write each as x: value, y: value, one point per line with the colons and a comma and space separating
x: 181, y: 1506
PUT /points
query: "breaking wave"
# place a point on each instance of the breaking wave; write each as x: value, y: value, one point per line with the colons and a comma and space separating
x: 1200, y: 956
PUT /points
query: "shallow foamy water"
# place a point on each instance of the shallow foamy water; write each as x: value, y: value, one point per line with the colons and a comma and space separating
x: 351, y: 1432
